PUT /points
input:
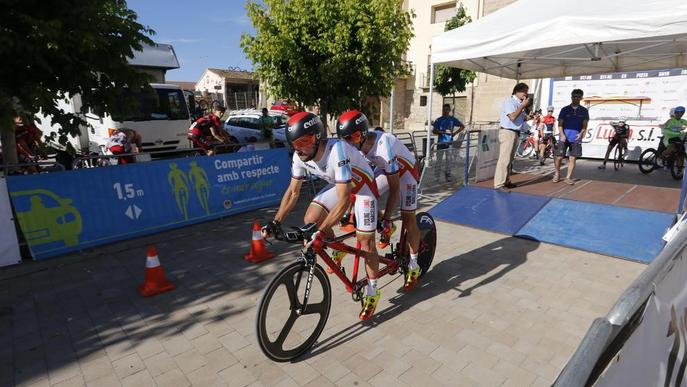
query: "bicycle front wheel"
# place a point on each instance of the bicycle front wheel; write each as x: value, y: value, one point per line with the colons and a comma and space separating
x: 428, y: 241
x: 648, y: 161
x: 618, y: 157
x: 284, y: 330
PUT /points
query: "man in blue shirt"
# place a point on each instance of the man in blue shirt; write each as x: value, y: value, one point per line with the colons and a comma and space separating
x: 445, y: 127
x: 572, y: 127
x: 512, y: 119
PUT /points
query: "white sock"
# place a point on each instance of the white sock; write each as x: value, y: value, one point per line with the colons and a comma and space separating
x: 413, y: 262
x: 372, y: 287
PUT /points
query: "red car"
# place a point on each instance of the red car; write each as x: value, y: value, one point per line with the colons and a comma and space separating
x: 286, y: 107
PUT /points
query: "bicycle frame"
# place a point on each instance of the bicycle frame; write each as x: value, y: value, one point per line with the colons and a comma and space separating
x: 391, y: 264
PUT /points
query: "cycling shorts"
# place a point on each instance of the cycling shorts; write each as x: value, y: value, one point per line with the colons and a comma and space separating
x: 615, y: 139
x: 202, y: 142
x: 546, y: 137
x: 408, y: 187
x: 365, y: 208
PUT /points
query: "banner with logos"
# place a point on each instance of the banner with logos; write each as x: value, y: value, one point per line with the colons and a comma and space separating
x: 68, y: 211
x: 487, y: 154
x: 643, y: 98
x: 9, y: 247
x: 656, y: 353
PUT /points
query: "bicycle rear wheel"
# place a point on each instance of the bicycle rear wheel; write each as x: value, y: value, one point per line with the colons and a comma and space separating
x: 283, y: 330
x: 428, y: 241
x: 678, y: 168
x: 648, y: 161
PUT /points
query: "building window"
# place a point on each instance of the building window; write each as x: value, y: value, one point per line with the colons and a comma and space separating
x: 423, y: 100
x: 441, y: 13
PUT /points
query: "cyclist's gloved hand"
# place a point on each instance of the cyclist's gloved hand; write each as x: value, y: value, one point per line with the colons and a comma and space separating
x: 272, y: 228
x: 309, y: 231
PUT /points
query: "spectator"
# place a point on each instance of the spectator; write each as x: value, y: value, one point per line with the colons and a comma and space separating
x: 207, y: 132
x: 512, y: 121
x: 572, y: 127
x: 444, y: 128
x: 124, y: 141
x: 379, y: 129
x: 266, y: 125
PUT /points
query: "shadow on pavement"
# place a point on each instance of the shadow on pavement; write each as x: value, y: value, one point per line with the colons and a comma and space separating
x: 446, y: 276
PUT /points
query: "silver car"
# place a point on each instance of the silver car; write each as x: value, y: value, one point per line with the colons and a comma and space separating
x: 243, y: 127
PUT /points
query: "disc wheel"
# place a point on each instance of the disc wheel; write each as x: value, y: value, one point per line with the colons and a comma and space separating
x: 648, y: 161
x: 284, y: 330
x: 428, y: 241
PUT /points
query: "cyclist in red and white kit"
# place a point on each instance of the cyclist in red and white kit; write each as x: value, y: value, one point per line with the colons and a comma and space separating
x: 347, y: 172
x: 397, y: 173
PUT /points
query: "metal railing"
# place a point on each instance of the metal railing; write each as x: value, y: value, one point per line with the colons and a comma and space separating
x: 18, y: 167
x: 606, y: 336
x: 107, y: 160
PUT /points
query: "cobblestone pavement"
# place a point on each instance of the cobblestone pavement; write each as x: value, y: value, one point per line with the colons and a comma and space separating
x: 493, y: 311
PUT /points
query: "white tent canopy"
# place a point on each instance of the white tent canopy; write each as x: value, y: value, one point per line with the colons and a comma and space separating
x: 553, y: 38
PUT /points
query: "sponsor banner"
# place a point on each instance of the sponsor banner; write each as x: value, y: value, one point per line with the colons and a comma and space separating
x: 487, y: 154
x: 9, y: 247
x: 69, y: 211
x: 656, y: 353
x: 643, y: 98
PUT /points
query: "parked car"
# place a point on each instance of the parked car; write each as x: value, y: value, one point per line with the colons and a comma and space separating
x: 243, y: 126
x: 285, y: 107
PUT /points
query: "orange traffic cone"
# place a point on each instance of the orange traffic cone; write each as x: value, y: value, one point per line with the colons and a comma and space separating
x: 155, y: 280
x: 258, y: 252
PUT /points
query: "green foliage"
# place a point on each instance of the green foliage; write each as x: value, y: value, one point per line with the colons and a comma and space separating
x: 328, y: 53
x: 53, y: 49
x: 450, y: 80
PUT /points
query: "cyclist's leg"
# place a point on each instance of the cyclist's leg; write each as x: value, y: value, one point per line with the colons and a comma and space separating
x: 366, y: 223
x: 317, y: 212
x: 408, y: 207
x: 612, y: 142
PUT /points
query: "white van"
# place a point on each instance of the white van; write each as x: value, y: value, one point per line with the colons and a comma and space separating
x: 161, y: 117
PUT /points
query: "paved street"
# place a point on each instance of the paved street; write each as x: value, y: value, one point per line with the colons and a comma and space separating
x: 493, y: 311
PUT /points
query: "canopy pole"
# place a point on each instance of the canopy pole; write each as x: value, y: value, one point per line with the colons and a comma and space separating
x: 429, y: 111
x: 391, y: 109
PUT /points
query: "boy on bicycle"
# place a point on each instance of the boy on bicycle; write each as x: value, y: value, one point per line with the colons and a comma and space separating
x: 347, y: 173
x: 397, y: 173
x: 546, y: 134
x: 619, y: 138
x: 672, y: 131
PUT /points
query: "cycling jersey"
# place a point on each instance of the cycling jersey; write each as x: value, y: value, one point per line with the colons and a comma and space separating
x: 203, y: 125
x: 548, y: 121
x: 672, y: 129
x: 621, y: 130
x: 120, y: 139
x: 341, y: 163
x: 390, y: 156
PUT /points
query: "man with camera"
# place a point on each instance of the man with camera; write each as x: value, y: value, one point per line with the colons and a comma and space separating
x: 512, y: 119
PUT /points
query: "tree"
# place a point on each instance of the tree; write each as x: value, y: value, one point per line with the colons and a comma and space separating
x: 450, y: 80
x: 54, y: 49
x: 328, y: 53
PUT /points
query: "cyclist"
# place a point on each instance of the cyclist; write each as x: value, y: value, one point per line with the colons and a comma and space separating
x: 124, y: 141
x: 546, y: 137
x: 207, y: 131
x: 347, y: 172
x: 672, y: 130
x: 397, y: 173
x: 620, y: 137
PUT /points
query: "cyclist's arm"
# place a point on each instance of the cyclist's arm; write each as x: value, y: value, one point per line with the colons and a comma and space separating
x: 343, y: 194
x: 289, y: 200
x: 394, y: 194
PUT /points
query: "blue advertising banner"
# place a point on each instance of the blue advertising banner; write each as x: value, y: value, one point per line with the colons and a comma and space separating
x: 69, y: 211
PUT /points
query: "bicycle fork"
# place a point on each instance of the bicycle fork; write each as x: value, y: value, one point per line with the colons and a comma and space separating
x: 310, y: 263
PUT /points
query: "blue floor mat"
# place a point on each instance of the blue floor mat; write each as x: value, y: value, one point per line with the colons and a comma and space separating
x: 489, y: 209
x: 617, y: 231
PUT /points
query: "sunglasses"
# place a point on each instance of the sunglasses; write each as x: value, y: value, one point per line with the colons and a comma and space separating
x: 577, y: 95
x: 355, y: 138
x: 304, y: 142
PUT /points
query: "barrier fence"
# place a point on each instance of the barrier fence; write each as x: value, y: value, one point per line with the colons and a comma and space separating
x: 642, y: 339
x: 69, y: 211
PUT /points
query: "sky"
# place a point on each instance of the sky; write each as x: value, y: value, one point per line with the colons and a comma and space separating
x: 204, y: 33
